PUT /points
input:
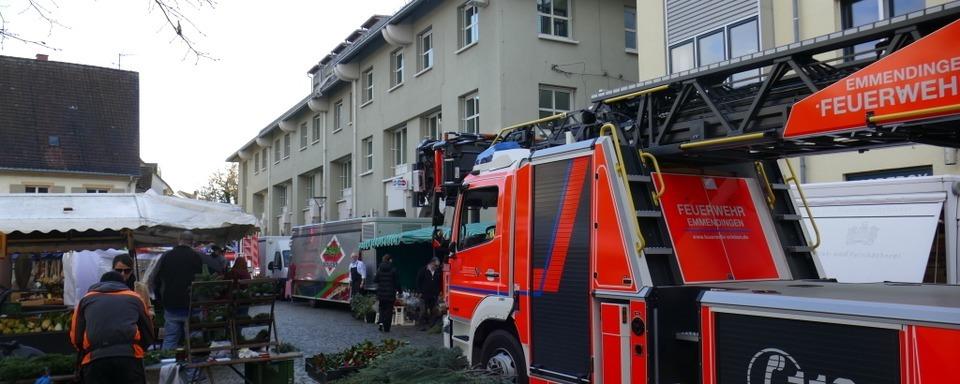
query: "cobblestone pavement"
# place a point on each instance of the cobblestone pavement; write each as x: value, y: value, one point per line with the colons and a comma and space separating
x: 329, y: 328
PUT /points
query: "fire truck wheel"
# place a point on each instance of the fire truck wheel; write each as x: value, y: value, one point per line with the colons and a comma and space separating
x: 501, y: 354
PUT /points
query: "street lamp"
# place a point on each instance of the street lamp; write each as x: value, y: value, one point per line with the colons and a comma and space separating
x: 319, y: 202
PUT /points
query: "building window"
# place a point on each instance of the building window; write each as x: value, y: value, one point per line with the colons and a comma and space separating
x: 400, y: 146
x: 346, y: 175
x: 470, y: 112
x: 468, y: 22
x: 276, y: 151
x: 98, y: 190
x: 256, y: 163
x: 743, y: 39
x: 367, y: 78
x: 338, y: 118
x: 396, y: 68
x: 555, y: 100
x: 286, y: 146
x: 630, y: 28
x: 681, y: 57
x: 425, y: 49
x: 53, y: 141
x: 311, y: 188
x: 316, y: 128
x: 554, y: 17
x: 854, y: 13
x: 710, y: 48
x: 282, y: 196
x: 432, y: 126
x: 303, y: 135
x: 367, y: 147
x: 36, y: 189
x: 737, y: 39
x: 263, y: 158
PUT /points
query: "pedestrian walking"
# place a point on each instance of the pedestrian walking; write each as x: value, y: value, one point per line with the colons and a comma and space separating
x: 428, y: 285
x: 388, y: 288
x: 358, y: 274
x: 175, y: 273
x: 111, y: 330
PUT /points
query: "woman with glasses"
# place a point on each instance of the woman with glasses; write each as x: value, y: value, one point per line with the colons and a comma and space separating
x: 123, y: 264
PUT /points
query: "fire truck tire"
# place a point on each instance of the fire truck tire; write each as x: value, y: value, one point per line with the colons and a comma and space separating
x: 502, y: 354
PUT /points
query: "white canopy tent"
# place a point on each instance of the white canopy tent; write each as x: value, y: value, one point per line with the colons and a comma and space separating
x: 74, y: 222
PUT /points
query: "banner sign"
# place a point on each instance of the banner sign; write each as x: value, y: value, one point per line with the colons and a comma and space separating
x: 922, y: 78
x: 715, y: 229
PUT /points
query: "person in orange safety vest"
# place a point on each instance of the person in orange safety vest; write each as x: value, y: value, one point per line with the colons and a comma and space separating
x: 111, y: 330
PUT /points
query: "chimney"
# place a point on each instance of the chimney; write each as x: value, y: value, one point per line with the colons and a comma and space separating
x: 42, y: 57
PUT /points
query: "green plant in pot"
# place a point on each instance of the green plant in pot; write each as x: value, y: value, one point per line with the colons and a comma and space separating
x: 360, y: 305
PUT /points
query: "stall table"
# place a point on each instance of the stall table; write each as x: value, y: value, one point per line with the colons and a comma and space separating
x: 232, y: 363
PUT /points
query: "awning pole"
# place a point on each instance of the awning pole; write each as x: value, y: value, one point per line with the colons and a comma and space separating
x: 5, y: 267
x: 132, y: 250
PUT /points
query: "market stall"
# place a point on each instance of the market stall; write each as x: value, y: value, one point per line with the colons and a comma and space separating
x: 42, y: 235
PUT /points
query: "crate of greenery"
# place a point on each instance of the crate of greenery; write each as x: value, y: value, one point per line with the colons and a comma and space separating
x: 255, y: 290
x: 16, y: 368
x: 325, y: 367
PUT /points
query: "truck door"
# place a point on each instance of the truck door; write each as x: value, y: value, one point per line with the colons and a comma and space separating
x: 476, y: 269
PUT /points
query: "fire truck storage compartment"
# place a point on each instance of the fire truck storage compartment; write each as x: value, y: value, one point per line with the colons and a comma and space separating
x: 827, y: 332
x: 560, y: 266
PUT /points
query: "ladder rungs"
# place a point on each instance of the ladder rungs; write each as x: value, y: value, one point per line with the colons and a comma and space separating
x: 658, y: 251
x: 787, y: 216
x: 780, y: 186
x: 649, y: 213
x: 638, y: 178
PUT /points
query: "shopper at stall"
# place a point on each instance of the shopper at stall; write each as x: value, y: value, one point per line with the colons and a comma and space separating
x: 358, y: 274
x: 215, y: 260
x: 175, y: 273
x: 428, y: 286
x: 111, y: 331
x: 388, y: 288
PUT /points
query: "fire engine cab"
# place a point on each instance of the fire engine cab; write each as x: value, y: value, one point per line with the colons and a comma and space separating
x: 652, y: 237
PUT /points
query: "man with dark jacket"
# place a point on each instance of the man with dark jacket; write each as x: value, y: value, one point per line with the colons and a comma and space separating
x: 388, y: 288
x: 171, y: 285
x: 111, y: 330
x: 428, y: 285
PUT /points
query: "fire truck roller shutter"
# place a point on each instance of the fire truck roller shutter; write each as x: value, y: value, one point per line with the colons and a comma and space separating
x: 560, y: 265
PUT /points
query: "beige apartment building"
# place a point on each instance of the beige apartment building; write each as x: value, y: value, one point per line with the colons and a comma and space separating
x: 678, y: 35
x: 472, y: 66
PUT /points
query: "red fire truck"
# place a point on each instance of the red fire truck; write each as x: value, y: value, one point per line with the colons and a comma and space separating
x: 651, y: 238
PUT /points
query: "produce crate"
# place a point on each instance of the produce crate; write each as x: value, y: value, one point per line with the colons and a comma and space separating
x: 277, y: 372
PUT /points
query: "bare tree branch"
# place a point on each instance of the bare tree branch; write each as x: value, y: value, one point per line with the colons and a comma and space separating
x: 173, y: 15
x: 171, y: 12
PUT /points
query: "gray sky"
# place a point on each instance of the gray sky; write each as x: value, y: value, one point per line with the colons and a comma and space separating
x: 194, y: 114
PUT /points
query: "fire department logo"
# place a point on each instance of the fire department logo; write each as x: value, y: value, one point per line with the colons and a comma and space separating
x: 775, y: 366
x: 332, y: 255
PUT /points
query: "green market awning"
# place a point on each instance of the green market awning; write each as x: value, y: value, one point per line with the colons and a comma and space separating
x: 418, y: 236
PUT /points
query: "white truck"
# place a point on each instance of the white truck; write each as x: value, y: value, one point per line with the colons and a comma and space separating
x: 902, y: 230
x: 275, y: 260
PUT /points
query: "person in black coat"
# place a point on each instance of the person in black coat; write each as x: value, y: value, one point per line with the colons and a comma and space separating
x: 429, y: 284
x: 171, y: 285
x: 388, y: 288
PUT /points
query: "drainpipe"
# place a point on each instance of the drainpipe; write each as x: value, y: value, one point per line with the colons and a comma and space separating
x: 354, y: 159
x: 324, y: 215
x: 796, y: 38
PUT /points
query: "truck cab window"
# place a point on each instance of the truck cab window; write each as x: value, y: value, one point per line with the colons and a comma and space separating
x: 478, y: 217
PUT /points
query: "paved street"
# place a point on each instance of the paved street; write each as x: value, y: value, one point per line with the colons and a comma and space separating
x: 329, y: 328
